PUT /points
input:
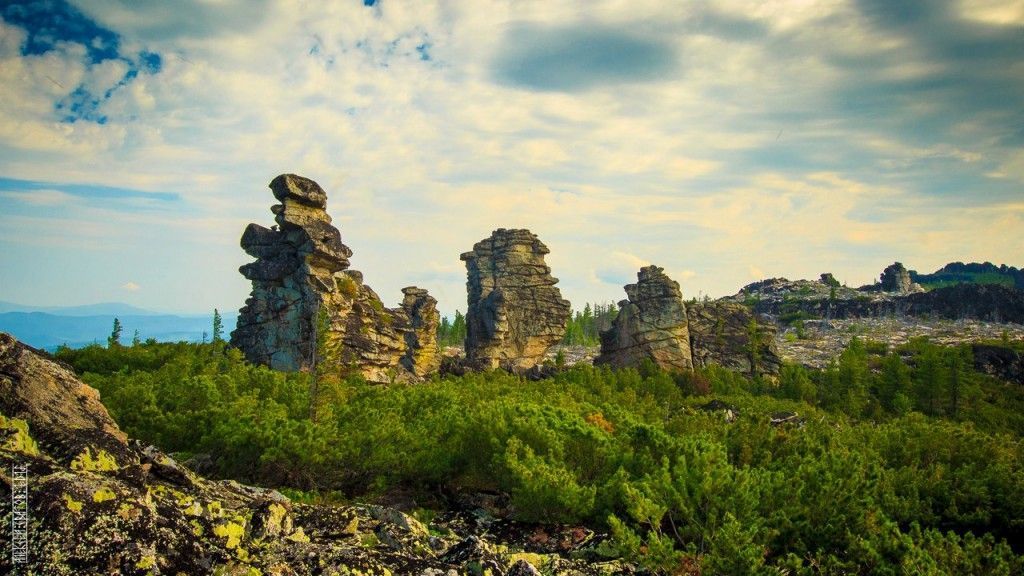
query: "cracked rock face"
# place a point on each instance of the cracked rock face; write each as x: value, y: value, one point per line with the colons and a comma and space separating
x: 301, y: 278
x: 651, y: 324
x: 515, y: 311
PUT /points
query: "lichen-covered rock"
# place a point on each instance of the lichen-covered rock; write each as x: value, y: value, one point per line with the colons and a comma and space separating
x: 67, y: 416
x: 130, y: 509
x: 302, y: 282
x: 515, y: 311
x: 651, y: 324
x: 730, y: 335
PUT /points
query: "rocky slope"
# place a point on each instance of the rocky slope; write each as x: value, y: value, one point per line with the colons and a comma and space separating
x: 102, y: 504
x: 515, y: 311
x: 301, y: 280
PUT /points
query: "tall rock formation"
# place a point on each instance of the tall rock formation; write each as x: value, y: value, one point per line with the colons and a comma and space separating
x: 652, y: 324
x: 422, y: 355
x: 515, y: 311
x: 301, y: 280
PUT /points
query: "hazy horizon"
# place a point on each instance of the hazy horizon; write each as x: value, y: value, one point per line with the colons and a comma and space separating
x: 726, y: 142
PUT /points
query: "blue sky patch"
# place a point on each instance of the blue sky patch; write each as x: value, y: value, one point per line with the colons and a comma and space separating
x: 49, y: 22
x: 579, y: 58
x: 86, y: 191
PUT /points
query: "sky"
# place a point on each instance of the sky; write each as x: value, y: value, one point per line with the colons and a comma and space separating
x: 724, y: 141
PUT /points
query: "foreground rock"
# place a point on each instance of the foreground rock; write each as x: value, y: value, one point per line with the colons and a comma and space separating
x: 515, y: 311
x: 651, y: 324
x: 67, y: 417
x: 99, y: 504
x: 301, y: 280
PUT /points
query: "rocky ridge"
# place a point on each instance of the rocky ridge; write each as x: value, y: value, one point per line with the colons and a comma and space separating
x: 787, y: 300
x: 102, y: 504
x: 515, y: 312
x: 302, y: 283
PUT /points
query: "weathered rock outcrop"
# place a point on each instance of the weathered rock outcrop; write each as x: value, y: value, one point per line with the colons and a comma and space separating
x: 651, y: 324
x: 67, y: 415
x: 722, y: 333
x: 129, y: 509
x: 515, y: 311
x: 301, y: 281
x: 896, y: 278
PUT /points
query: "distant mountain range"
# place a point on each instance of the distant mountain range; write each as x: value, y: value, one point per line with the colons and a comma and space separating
x: 101, y: 309
x: 75, y: 326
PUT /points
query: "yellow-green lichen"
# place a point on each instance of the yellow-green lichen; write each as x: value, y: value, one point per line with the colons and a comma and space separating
x: 274, y: 521
x: 215, y: 509
x: 20, y: 440
x: 197, y: 528
x: 146, y: 562
x: 536, y: 560
x: 101, y: 462
x: 298, y: 536
x: 73, y: 505
x: 232, y: 531
x: 103, y: 494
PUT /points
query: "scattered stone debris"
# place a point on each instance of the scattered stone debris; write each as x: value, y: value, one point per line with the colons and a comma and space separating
x: 824, y: 340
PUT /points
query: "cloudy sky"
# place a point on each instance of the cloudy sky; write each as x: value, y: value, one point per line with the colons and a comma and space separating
x: 725, y: 141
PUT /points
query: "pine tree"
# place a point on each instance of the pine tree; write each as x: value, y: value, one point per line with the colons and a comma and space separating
x: 136, y: 340
x: 218, y: 327
x: 115, y: 334
x: 459, y: 328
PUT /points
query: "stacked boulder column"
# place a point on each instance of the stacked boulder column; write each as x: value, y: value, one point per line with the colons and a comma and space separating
x: 651, y: 324
x: 515, y: 311
x: 302, y: 284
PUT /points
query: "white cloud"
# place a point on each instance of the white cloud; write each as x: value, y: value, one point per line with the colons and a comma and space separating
x: 131, y: 286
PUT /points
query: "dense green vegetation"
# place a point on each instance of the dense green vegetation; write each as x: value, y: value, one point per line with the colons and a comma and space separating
x: 907, y: 461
